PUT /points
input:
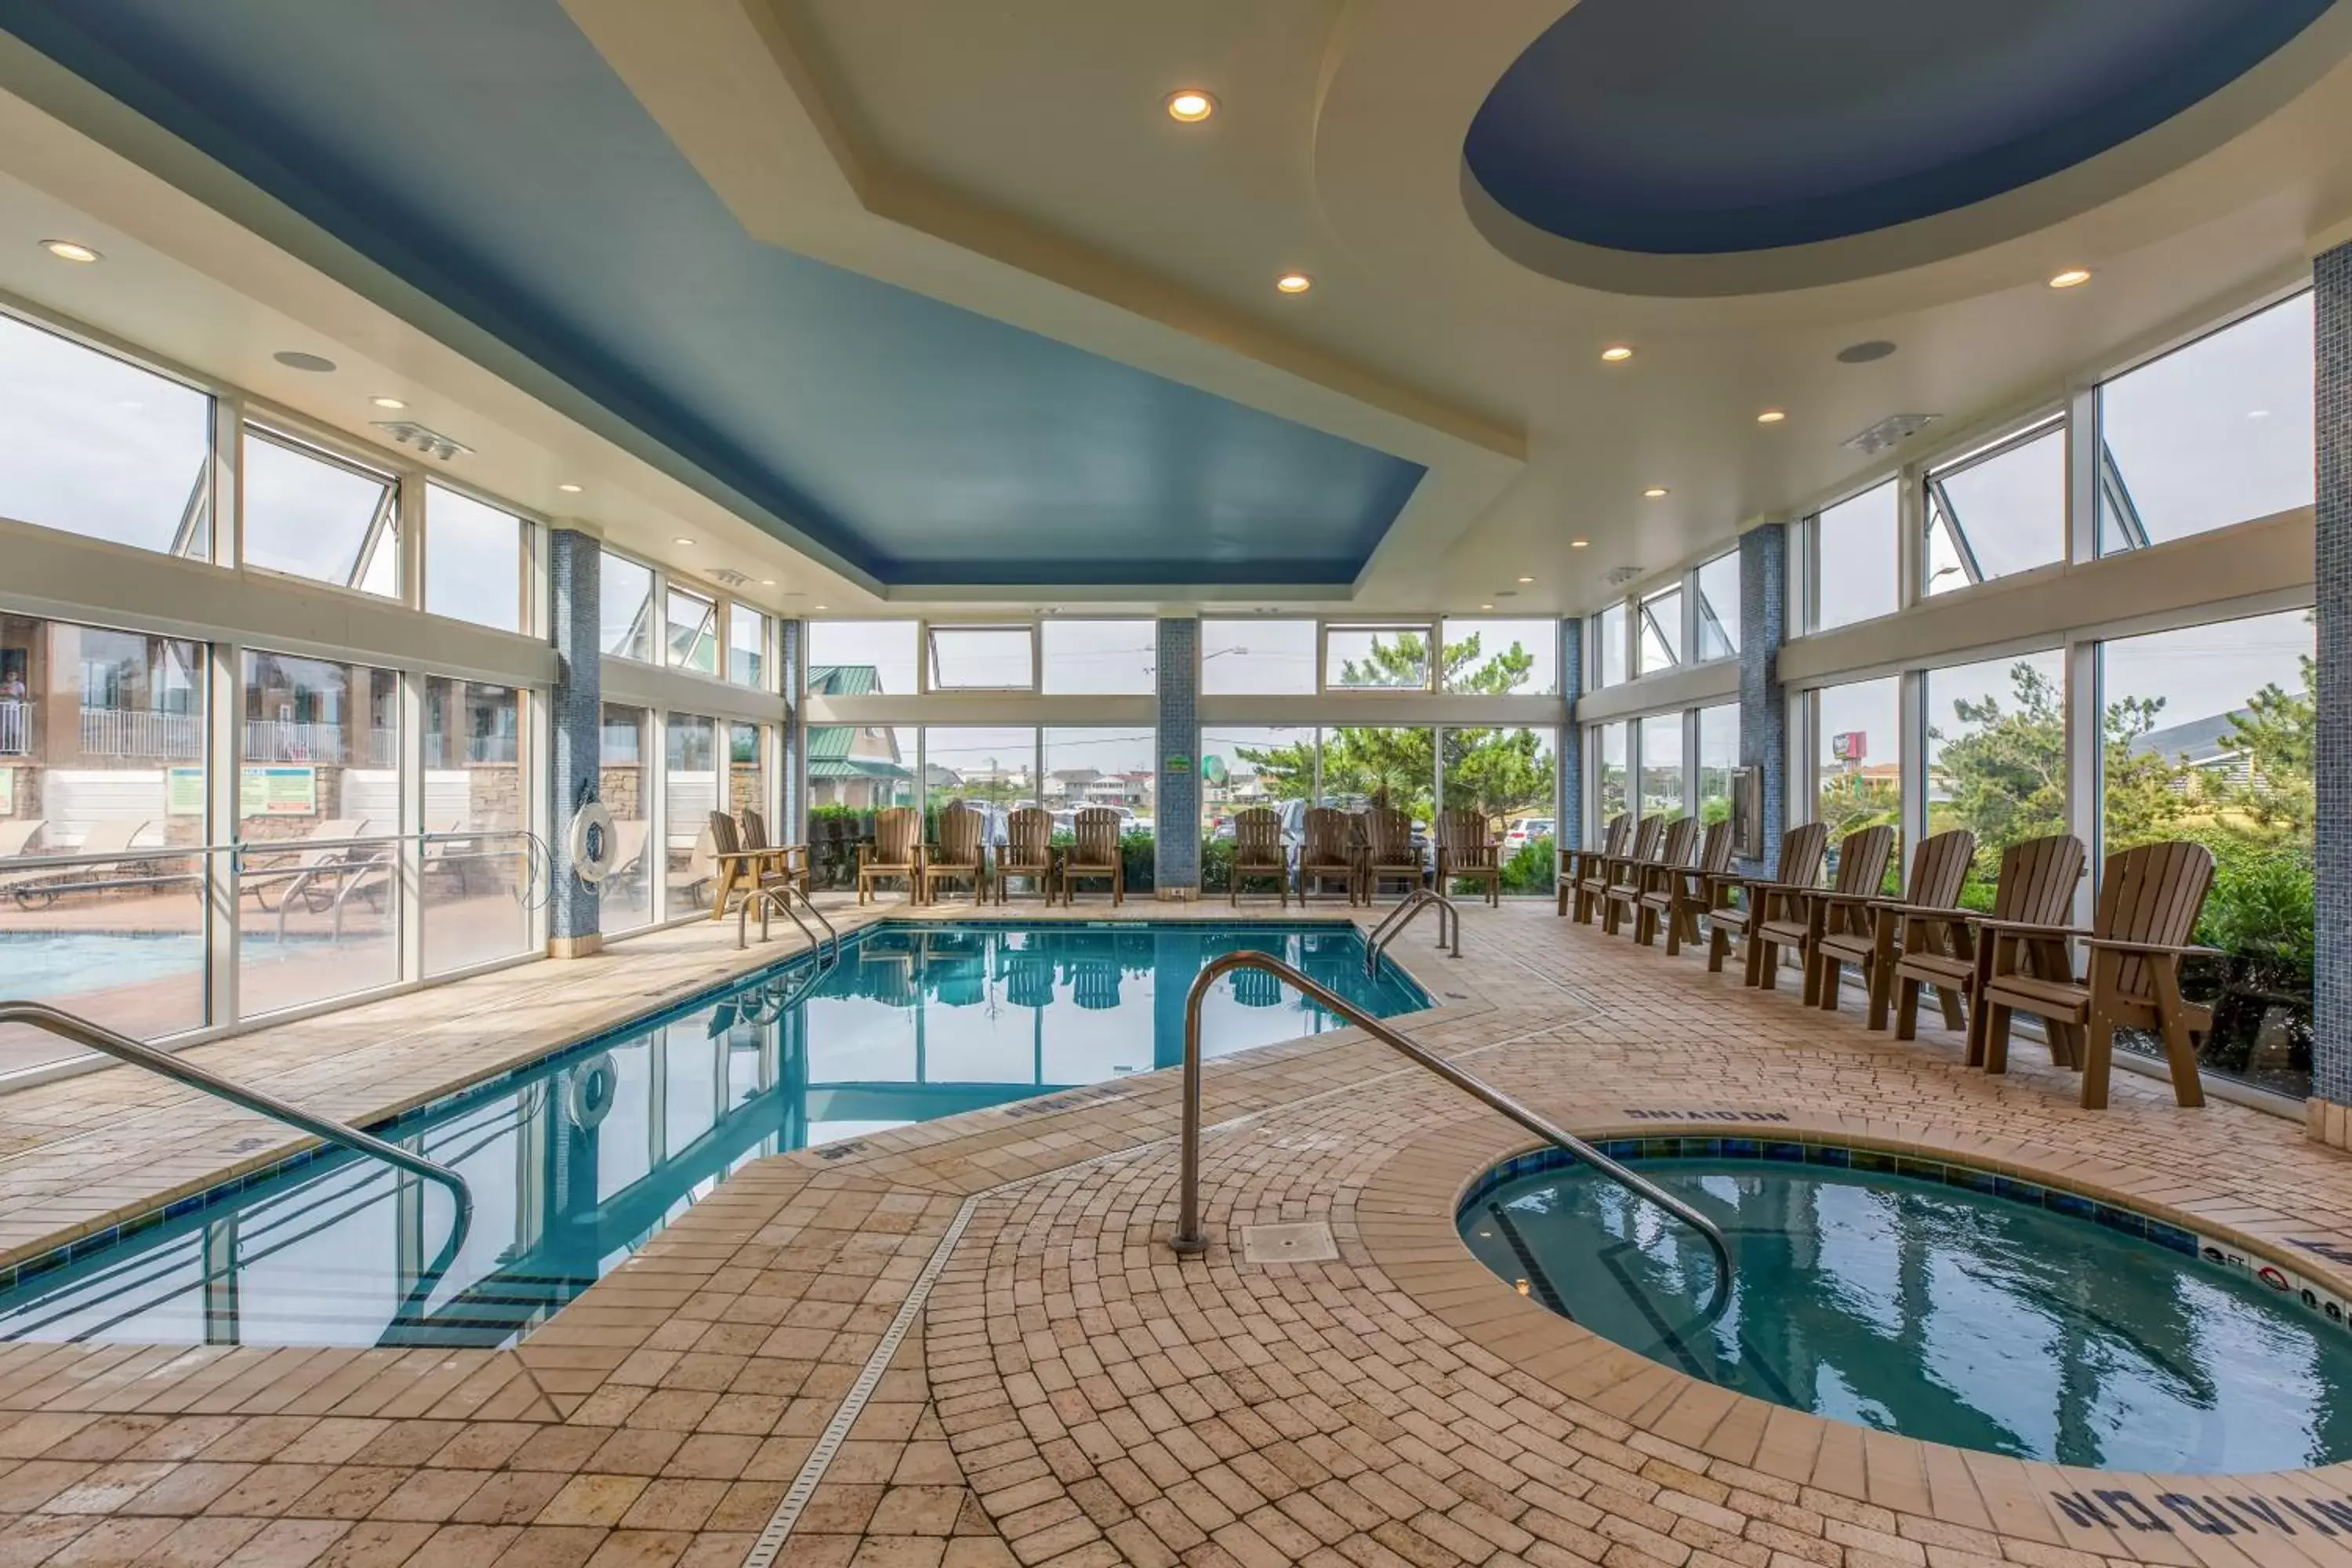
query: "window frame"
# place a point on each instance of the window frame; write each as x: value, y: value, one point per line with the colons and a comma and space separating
x: 926, y: 667
x: 1428, y: 629
x: 392, y: 517
x: 1933, y: 477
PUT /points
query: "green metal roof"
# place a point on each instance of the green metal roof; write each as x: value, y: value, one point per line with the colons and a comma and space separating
x: 843, y: 680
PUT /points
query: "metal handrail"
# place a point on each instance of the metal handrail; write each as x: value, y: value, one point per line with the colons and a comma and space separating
x: 1189, y: 1238
x: 780, y: 897
x: 1393, y: 924
x: 123, y: 1047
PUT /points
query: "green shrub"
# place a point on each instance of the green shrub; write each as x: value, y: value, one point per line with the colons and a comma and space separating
x: 1530, y: 866
x: 1216, y: 865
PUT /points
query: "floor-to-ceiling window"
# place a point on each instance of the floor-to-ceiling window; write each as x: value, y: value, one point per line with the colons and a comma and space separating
x: 1858, y: 761
x: 624, y: 781
x: 476, y: 870
x: 1996, y: 756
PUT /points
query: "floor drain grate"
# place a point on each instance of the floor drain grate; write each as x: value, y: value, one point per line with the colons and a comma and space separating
x: 1306, y: 1243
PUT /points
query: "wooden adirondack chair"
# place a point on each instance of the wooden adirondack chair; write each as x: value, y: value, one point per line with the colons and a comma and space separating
x: 739, y: 872
x: 1389, y: 850
x: 1867, y: 932
x: 1576, y: 865
x: 1801, y: 920
x: 1939, y: 948
x: 1258, y: 851
x: 960, y: 855
x: 2150, y: 899
x: 1028, y: 851
x: 1466, y: 849
x: 1802, y: 851
x: 1676, y: 897
x: 784, y: 859
x: 1616, y: 873
x: 1624, y: 897
x: 897, y: 851
x: 1330, y: 851
x: 1095, y: 854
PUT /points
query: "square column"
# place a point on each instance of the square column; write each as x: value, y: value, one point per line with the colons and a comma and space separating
x: 1568, y: 833
x: 1763, y: 707
x: 575, y: 577
x: 1176, y: 790
x: 792, y: 820
x: 2330, y: 1120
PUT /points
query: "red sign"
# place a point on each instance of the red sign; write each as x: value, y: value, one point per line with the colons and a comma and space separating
x: 1850, y: 747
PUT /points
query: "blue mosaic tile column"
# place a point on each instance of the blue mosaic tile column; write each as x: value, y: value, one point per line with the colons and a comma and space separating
x: 1763, y: 711
x: 575, y: 575
x: 1176, y: 807
x: 1568, y: 831
x: 2331, y: 1043
x: 792, y: 638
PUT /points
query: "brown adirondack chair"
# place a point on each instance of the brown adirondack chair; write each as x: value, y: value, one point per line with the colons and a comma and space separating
x: 1867, y: 933
x: 2150, y: 899
x: 1330, y: 851
x: 1677, y: 897
x: 1466, y: 849
x: 897, y: 851
x: 1095, y: 854
x: 1799, y: 919
x: 1624, y: 897
x: 1258, y: 851
x: 740, y: 871
x: 1616, y: 871
x: 1388, y: 849
x: 960, y: 855
x: 1801, y: 850
x: 785, y: 859
x: 1939, y: 948
x: 1028, y: 851
x: 1576, y: 865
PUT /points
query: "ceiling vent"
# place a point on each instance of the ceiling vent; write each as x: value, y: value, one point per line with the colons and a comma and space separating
x: 727, y: 577
x: 1620, y: 575
x: 1888, y: 432
x: 409, y: 433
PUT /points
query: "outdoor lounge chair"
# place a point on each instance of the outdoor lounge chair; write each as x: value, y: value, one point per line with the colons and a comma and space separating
x: 18, y: 835
x: 1389, y: 850
x: 1096, y: 852
x: 320, y: 865
x: 959, y: 855
x: 1798, y: 918
x: 1576, y: 865
x: 1330, y: 851
x: 1676, y: 898
x: 1868, y: 933
x: 1801, y: 850
x: 1259, y: 851
x: 1625, y: 895
x: 897, y: 851
x: 2150, y: 899
x: 1468, y: 851
x: 42, y: 886
x: 1028, y: 851
x: 2036, y: 888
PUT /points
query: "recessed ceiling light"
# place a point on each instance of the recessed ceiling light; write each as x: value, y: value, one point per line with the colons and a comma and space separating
x: 1654, y: 492
x: 1578, y: 544
x: 680, y: 539
x: 295, y: 359
x: 1771, y: 416
x: 1527, y: 579
x: 820, y: 606
x: 568, y: 489
x: 70, y: 251
x: 387, y: 402
x: 767, y: 582
x: 1617, y: 354
x: 1486, y: 606
x: 2073, y: 278
x: 1294, y: 283
x: 2258, y: 413
x: 1191, y: 105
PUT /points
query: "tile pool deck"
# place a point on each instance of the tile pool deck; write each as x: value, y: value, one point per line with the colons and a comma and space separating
x: 1063, y: 1390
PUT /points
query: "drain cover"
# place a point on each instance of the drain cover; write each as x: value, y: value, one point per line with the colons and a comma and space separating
x: 1308, y: 1243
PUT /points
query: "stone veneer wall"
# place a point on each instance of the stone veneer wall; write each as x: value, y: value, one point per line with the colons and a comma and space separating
x: 1176, y: 811
x: 1763, y: 709
x: 2331, y: 1046
x: 574, y: 708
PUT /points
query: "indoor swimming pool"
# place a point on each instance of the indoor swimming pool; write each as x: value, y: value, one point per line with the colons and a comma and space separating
x: 1935, y: 1300
x: 576, y: 1160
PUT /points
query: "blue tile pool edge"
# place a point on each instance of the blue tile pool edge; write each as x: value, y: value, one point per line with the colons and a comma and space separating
x: 2228, y: 1253
x: 79, y: 1244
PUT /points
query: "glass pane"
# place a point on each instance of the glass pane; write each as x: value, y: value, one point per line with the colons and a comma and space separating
x: 96, y: 446
x: 1611, y: 663
x: 2210, y: 734
x: 316, y: 516
x: 1858, y: 768
x: 747, y: 645
x: 1376, y: 659
x: 1718, y: 607
x: 1609, y: 786
x: 1101, y: 657
x: 1997, y: 757
x: 2216, y: 433
x: 1257, y: 659
x: 1989, y: 517
x: 474, y: 561
x: 747, y: 774
x: 101, y: 753
x: 1660, y: 641
x: 993, y: 768
x: 983, y: 658
x: 854, y: 769
x: 1854, y: 558
x: 1511, y: 777
x: 862, y: 659
x: 320, y: 917
x: 1246, y: 766
x: 1718, y: 754
x: 689, y: 795
x: 1662, y: 765
x: 1112, y: 767
x: 1495, y: 658
x: 625, y: 899
x: 693, y: 632
x: 1379, y: 765
x: 624, y: 608
x: 477, y: 886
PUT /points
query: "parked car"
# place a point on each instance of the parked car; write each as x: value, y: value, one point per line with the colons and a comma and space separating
x: 1525, y: 831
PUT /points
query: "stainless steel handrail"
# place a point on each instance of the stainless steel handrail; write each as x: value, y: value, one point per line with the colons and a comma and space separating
x: 123, y: 1047
x: 15, y: 863
x: 1393, y: 924
x: 1189, y: 1238
x: 781, y: 896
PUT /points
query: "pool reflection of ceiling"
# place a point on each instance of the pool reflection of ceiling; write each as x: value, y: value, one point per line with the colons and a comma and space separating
x: 1704, y: 127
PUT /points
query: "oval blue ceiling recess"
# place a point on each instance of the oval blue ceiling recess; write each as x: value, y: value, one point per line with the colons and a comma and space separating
x: 1712, y: 127
x: 488, y: 157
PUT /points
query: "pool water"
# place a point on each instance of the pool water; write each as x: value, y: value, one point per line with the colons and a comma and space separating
x: 58, y: 964
x: 1939, y: 1312
x: 575, y: 1160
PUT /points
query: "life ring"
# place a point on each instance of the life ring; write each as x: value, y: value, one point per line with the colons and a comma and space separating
x: 596, y: 1084
x: 592, y: 842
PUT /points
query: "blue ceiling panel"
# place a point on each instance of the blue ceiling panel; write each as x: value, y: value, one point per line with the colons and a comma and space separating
x: 1706, y: 127
x: 485, y: 154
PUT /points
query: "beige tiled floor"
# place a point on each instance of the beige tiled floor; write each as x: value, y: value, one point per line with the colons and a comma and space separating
x: 1068, y: 1391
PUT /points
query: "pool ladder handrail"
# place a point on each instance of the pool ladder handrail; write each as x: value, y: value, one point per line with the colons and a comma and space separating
x: 1393, y: 924
x: 780, y: 896
x: 1189, y: 1238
